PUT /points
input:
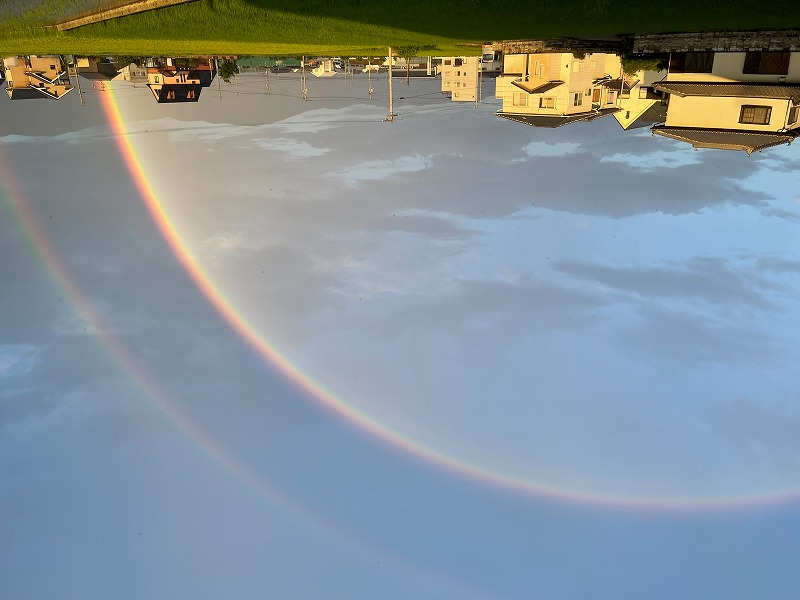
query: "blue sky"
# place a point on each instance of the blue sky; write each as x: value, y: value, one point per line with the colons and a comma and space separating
x: 594, y: 310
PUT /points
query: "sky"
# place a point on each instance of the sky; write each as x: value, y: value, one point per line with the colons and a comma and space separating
x: 260, y: 347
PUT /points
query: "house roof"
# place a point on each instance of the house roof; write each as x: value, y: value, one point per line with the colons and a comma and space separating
x: 98, y: 70
x: 24, y: 93
x: 555, y: 120
x: 30, y: 92
x: 546, y: 87
x: 725, y: 139
x: 738, y: 90
x: 655, y: 114
x: 615, y: 84
x: 181, y: 92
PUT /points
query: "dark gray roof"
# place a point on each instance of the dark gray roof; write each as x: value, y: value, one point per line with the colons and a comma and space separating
x: 738, y: 90
x: 25, y: 93
x: 655, y: 114
x: 181, y: 92
x: 726, y: 139
x: 555, y: 120
x: 615, y: 84
x: 545, y: 87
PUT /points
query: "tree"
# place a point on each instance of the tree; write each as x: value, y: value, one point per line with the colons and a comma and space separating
x: 407, y: 52
x: 227, y: 69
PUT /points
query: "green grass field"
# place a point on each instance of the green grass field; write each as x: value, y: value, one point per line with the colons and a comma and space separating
x: 284, y: 27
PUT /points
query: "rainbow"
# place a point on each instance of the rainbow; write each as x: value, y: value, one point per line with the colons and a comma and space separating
x: 338, y: 407
x: 42, y: 247
x: 313, y: 390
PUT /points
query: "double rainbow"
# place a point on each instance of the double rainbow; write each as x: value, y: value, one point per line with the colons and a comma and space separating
x: 269, y: 353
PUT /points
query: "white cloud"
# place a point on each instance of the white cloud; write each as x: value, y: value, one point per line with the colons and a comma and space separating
x: 381, y: 169
x: 655, y: 160
x: 290, y: 147
x: 17, y: 359
x: 545, y: 149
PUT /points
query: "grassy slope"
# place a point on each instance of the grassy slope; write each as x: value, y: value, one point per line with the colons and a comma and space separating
x: 333, y: 26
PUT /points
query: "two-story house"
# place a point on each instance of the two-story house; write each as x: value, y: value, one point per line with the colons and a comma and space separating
x: 178, y: 79
x: 732, y: 100
x: 557, y: 88
x: 460, y: 77
x: 29, y: 77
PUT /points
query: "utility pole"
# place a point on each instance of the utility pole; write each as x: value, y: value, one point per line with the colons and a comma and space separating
x: 391, y: 104
x: 219, y: 80
x: 477, y: 77
x: 303, y: 79
x: 78, y: 81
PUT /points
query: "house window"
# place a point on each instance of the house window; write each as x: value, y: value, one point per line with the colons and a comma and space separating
x: 794, y: 112
x: 448, y: 62
x: 171, y: 95
x: 610, y: 97
x: 577, y: 99
x: 549, y: 102
x: 520, y: 99
x: 157, y: 79
x: 691, y: 62
x: 589, y: 92
x: 577, y: 66
x: 190, y: 94
x: 766, y: 63
x: 755, y: 115
x: 594, y: 65
x: 52, y: 67
x: 458, y: 62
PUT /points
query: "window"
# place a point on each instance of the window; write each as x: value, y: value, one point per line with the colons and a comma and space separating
x: 157, y: 79
x: 577, y: 66
x: 190, y: 94
x: 794, y: 112
x: 520, y: 99
x: 589, y: 92
x: 594, y: 65
x: 547, y: 102
x: 448, y: 62
x: 577, y: 99
x: 610, y: 97
x: 458, y: 62
x: 691, y: 62
x: 755, y: 115
x: 171, y: 95
x: 766, y: 63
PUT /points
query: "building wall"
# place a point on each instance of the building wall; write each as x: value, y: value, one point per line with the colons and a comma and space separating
x: 49, y: 66
x: 722, y: 113
x: 460, y: 81
x: 538, y: 69
x: 728, y: 68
